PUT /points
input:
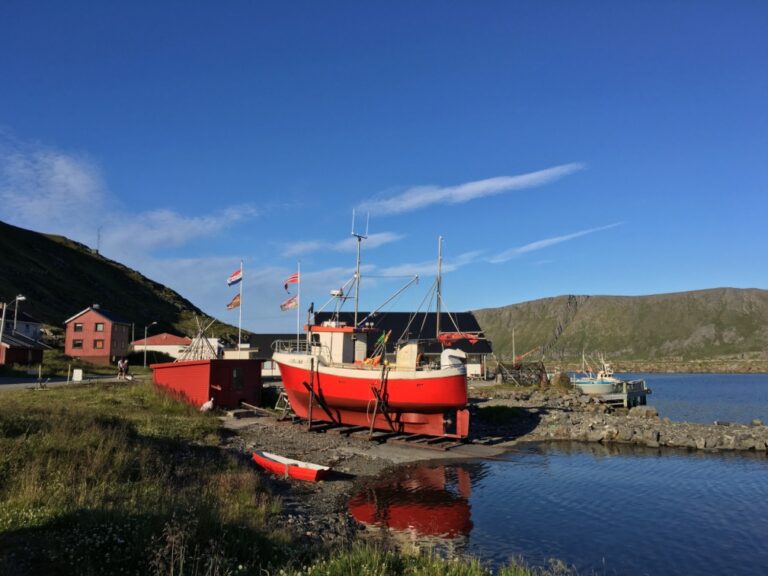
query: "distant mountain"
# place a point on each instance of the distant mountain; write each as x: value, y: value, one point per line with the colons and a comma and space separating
x: 61, y: 277
x: 703, y: 324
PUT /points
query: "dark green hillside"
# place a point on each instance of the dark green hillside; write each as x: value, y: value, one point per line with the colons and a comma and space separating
x: 60, y: 277
x: 704, y: 324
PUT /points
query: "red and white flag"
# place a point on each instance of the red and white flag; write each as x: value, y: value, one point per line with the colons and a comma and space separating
x: 292, y: 279
x: 235, y: 277
x: 289, y: 304
x: 234, y: 303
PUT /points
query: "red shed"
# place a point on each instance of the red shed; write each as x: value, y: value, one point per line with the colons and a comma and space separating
x: 228, y: 382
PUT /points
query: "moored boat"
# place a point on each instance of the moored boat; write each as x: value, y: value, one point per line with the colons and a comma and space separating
x: 290, y: 468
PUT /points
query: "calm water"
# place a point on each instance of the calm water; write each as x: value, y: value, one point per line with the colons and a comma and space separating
x: 708, y: 397
x: 603, y: 510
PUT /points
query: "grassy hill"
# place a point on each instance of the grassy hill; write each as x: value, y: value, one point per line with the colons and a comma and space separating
x: 720, y: 323
x: 61, y: 277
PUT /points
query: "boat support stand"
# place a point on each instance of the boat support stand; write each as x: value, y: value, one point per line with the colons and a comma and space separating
x: 315, y: 397
x: 380, y: 402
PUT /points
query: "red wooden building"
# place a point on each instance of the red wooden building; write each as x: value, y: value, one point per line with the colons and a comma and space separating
x: 18, y: 349
x: 97, y: 336
x: 228, y: 382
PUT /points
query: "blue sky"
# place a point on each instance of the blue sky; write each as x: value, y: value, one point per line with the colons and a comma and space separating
x: 559, y: 147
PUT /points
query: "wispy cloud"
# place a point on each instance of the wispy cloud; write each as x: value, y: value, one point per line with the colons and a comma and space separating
x: 423, y: 196
x: 346, y: 245
x: 58, y: 192
x: 545, y: 243
x: 428, y: 268
x: 47, y: 187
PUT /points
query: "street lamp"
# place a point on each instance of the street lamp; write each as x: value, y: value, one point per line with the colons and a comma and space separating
x: 145, y: 341
x: 18, y: 299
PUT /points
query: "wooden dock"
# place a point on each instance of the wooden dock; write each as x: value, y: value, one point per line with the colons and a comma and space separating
x: 632, y: 393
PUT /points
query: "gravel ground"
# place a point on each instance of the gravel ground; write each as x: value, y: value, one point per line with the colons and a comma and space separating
x: 319, y: 510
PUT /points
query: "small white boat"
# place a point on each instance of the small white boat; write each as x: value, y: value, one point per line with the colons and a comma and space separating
x: 603, y: 382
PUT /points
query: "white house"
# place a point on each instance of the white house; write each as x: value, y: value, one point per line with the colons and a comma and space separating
x: 166, y: 343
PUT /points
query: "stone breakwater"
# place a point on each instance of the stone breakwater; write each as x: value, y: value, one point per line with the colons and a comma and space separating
x: 555, y: 415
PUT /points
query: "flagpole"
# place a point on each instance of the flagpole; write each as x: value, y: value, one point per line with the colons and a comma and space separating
x: 298, y: 304
x: 240, y: 309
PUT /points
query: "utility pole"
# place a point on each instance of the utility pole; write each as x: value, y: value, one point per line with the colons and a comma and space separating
x: 2, y: 324
x: 145, y: 341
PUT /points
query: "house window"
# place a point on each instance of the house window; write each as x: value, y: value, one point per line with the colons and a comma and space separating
x: 77, y: 343
x: 78, y: 327
x: 99, y: 326
x: 98, y: 344
x: 237, y: 378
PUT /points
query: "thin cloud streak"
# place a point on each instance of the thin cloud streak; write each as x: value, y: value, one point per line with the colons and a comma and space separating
x: 545, y: 243
x: 346, y: 245
x: 422, y: 196
x: 46, y: 189
x: 429, y: 268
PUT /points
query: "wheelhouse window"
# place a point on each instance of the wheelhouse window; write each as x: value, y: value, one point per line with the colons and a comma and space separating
x: 77, y: 343
x: 78, y: 327
x: 98, y: 344
x: 99, y: 326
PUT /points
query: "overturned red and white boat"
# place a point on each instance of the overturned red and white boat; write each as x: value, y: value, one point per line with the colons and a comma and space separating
x: 335, y: 376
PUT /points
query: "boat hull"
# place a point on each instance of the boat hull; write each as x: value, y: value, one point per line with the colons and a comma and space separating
x: 429, y: 402
x: 596, y: 387
x: 291, y: 468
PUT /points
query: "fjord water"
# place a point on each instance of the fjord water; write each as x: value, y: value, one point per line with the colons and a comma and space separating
x: 603, y: 510
x: 704, y: 398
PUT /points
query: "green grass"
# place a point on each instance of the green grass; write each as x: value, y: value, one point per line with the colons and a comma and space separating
x: 122, y: 479
x: 367, y: 560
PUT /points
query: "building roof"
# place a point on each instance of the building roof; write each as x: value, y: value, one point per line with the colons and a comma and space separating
x: 262, y: 343
x: 423, y: 327
x: 164, y: 339
x: 111, y: 316
x: 17, y: 340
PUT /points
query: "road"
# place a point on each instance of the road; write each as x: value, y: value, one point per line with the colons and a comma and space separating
x: 8, y: 383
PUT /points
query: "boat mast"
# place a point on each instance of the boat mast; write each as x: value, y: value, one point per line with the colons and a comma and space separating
x: 360, y: 238
x: 438, y: 281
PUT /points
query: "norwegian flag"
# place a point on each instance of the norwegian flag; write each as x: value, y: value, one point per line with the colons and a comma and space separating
x: 289, y: 304
x: 235, y: 277
x: 292, y: 279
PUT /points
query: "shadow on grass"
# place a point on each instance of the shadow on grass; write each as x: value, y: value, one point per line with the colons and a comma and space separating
x: 113, y: 542
x: 88, y: 492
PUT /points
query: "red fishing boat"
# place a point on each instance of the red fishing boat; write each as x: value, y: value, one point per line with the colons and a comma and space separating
x: 289, y: 468
x: 336, y: 377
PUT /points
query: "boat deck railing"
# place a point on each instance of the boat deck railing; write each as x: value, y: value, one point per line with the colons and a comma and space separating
x: 294, y: 346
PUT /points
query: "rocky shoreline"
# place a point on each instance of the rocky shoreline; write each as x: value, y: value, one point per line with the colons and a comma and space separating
x: 557, y: 415
x: 318, y: 513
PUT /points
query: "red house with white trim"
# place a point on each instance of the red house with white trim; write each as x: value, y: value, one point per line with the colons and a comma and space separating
x: 97, y: 336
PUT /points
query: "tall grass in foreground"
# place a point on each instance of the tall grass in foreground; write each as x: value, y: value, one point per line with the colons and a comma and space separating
x: 122, y: 479
x: 105, y: 479
x: 367, y: 560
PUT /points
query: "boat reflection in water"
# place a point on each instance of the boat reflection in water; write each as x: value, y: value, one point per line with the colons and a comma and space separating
x: 420, y: 502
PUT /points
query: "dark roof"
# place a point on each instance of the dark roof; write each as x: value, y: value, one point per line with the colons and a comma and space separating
x: 111, y: 316
x: 423, y: 327
x: 262, y: 343
x: 17, y: 340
